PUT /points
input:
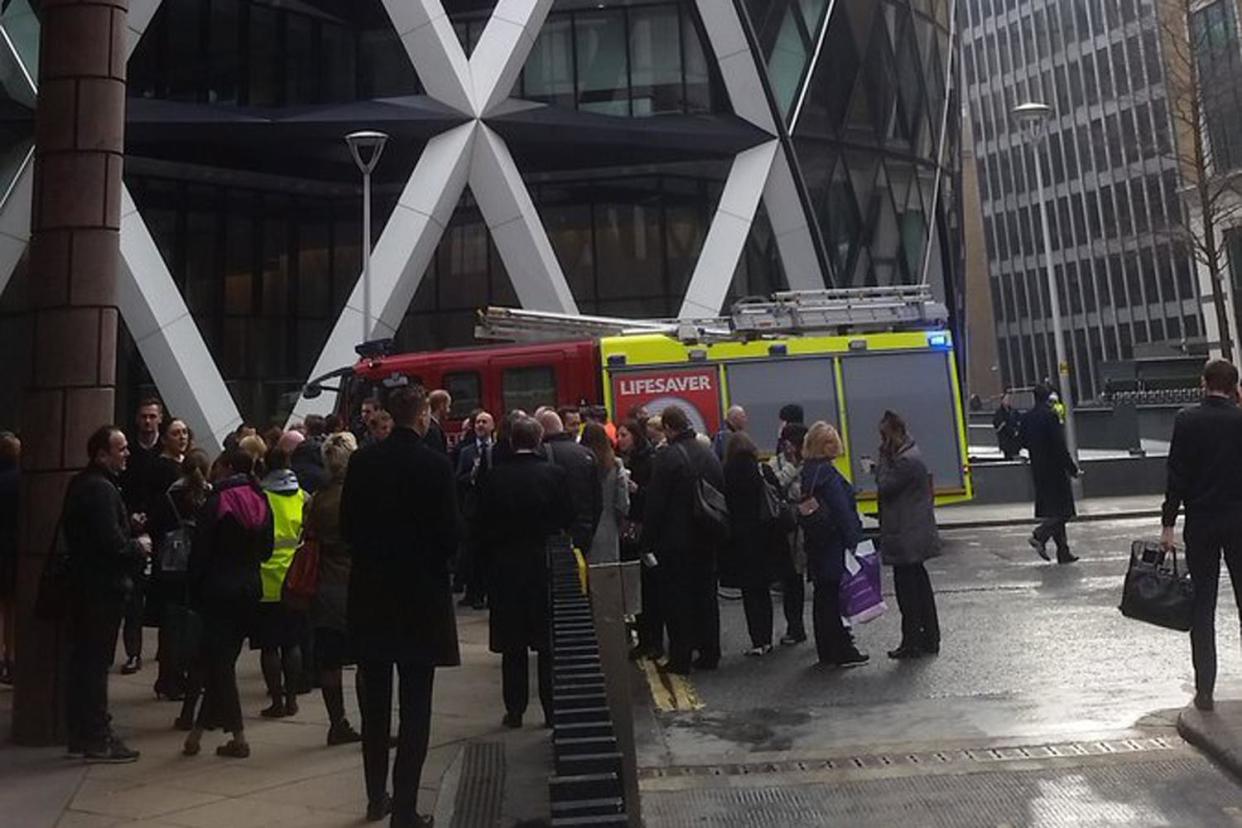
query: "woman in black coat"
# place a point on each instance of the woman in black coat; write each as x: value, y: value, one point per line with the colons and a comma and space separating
x: 637, y: 453
x: 232, y: 537
x: 751, y: 539
x: 908, y: 536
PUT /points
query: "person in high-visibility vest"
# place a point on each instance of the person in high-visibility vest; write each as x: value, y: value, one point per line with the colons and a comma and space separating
x: 279, y: 629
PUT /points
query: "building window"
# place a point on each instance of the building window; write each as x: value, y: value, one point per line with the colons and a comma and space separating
x: 1214, y: 39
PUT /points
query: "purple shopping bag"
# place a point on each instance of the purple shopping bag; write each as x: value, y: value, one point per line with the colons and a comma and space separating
x: 861, y: 598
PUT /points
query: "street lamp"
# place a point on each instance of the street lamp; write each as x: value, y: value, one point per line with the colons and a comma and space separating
x: 1034, y: 116
x: 366, y: 147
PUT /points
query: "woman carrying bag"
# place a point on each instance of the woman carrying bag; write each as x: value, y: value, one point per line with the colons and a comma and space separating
x: 828, y: 515
x: 908, y: 536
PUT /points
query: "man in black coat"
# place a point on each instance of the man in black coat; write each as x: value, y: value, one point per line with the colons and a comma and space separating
x: 581, y: 473
x: 473, y: 465
x: 1205, y: 476
x: 435, y: 438
x: 1043, y: 436
x: 103, y: 557
x: 399, y: 516
x: 686, y: 554
x: 526, y: 502
x: 1007, y: 423
x: 140, y: 487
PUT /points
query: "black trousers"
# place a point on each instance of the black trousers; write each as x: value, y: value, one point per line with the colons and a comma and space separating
x: 93, y: 624
x: 793, y: 599
x: 515, y: 681
x: 1053, y: 529
x: 650, y: 622
x: 920, y: 625
x: 222, y: 643
x: 413, y: 731
x: 1207, y: 540
x: 135, y: 612
x: 832, y: 640
x: 692, y: 611
x: 757, y: 604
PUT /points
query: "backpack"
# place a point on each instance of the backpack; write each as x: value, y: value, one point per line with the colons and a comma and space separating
x: 711, y: 512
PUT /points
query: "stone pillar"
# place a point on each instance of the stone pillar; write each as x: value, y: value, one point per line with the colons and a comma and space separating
x: 72, y: 272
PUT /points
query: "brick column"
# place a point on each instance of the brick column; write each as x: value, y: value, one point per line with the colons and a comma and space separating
x: 75, y: 246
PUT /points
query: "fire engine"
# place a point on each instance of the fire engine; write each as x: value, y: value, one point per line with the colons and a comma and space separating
x: 845, y: 355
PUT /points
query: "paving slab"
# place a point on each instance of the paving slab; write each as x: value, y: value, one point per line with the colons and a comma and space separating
x: 292, y: 777
x: 1218, y: 733
x: 988, y: 515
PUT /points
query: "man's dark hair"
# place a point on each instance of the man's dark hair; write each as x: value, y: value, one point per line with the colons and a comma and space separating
x: 406, y: 404
x: 525, y: 434
x: 145, y: 401
x: 674, y: 419
x: 568, y: 409
x: 1220, y: 376
x: 238, y: 461
x: 1042, y: 393
x: 315, y: 425
x: 792, y: 413
x: 332, y: 423
x: 276, y: 459
x: 374, y: 402
x: 100, y: 440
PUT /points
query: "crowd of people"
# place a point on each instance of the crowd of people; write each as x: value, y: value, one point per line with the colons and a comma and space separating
x: 399, y: 517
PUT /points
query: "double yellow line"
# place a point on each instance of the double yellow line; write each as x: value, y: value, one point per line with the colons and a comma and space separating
x: 670, y: 692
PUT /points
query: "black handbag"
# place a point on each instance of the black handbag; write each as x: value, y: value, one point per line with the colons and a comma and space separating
x: 1157, y: 590
x: 711, y: 512
x: 55, y: 589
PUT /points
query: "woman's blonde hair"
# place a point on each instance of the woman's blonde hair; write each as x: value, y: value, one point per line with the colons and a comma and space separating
x: 822, y: 441
x: 336, y: 450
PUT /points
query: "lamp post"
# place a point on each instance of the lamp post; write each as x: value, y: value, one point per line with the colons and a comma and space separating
x: 1035, y: 117
x: 366, y: 147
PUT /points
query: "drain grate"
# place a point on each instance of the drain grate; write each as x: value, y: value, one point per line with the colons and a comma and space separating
x: 882, y: 761
x: 481, y: 789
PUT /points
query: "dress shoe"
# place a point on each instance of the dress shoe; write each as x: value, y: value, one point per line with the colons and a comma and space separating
x: 111, y: 752
x: 1204, y: 702
x: 905, y: 652
x: 276, y: 710
x: 759, y: 650
x: 853, y: 659
x: 132, y: 665
x: 233, y: 749
x: 701, y: 663
x: 1066, y: 557
x: 379, y: 808
x: 343, y: 733
x: 788, y: 640
x: 513, y: 721
x: 1039, y: 546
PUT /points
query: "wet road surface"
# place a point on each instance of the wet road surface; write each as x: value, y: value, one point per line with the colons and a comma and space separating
x: 1034, y: 655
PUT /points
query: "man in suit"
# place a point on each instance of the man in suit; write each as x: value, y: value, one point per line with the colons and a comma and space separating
x: 1205, y: 477
x: 473, y: 465
x: 1043, y: 435
x: 563, y: 449
x: 440, y: 402
x: 399, y: 516
x: 685, y: 552
x: 526, y: 502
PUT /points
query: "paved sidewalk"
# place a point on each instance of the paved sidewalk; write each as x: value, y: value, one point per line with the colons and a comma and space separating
x: 1218, y: 733
x: 292, y: 778
x: 984, y: 515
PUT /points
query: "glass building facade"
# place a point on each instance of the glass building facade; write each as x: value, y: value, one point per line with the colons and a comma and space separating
x: 1112, y: 181
x: 625, y: 137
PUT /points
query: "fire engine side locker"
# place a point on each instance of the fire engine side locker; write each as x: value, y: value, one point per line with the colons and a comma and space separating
x: 915, y: 358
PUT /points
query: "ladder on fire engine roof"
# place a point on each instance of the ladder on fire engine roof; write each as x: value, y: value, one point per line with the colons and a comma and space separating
x: 853, y: 310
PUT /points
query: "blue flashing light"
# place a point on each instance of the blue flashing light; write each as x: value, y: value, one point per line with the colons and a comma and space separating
x: 938, y: 340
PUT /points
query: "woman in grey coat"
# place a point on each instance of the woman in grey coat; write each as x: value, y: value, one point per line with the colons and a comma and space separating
x: 614, y: 485
x: 908, y: 536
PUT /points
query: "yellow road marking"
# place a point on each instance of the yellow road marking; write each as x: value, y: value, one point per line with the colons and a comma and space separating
x: 670, y: 692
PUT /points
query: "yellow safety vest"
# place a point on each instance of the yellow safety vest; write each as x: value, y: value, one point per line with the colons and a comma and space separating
x: 287, y: 522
